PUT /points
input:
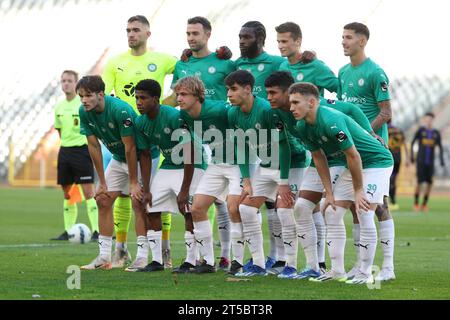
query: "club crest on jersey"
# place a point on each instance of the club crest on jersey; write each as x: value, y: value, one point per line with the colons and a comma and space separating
x: 260, y: 67
x: 152, y: 67
x: 127, y: 123
x: 341, y: 136
x: 300, y: 77
x: 257, y: 126
x: 211, y: 69
x: 111, y: 125
x: 167, y: 130
x: 361, y: 82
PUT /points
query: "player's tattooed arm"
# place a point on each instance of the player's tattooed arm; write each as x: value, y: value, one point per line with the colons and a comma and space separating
x: 384, y: 115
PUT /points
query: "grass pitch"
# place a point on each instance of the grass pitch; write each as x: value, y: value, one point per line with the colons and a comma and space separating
x: 34, y: 266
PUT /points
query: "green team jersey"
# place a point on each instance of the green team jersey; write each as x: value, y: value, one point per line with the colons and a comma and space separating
x: 124, y: 71
x: 316, y: 72
x: 262, y: 117
x: 300, y: 157
x: 365, y: 85
x: 116, y: 121
x: 334, y: 132
x: 210, y: 69
x: 67, y: 121
x: 350, y: 109
x: 260, y: 67
x: 158, y: 132
x: 212, y: 120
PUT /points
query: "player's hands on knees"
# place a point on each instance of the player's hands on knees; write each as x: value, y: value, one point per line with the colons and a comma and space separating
x: 361, y: 202
x: 246, y: 189
x: 308, y: 56
x: 380, y: 139
x: 136, y: 192
x: 285, y: 194
x: 147, y: 199
x: 102, y: 189
x: 183, y: 201
x: 187, y: 53
x: 224, y: 53
x: 329, y: 201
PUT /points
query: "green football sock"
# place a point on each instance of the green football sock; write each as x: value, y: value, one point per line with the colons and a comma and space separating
x: 92, y: 212
x: 70, y: 214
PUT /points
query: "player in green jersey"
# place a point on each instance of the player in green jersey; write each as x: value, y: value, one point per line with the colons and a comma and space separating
x: 265, y: 130
x: 111, y: 120
x: 121, y: 74
x: 174, y: 184
x: 293, y: 228
x: 208, y: 118
x: 364, y: 83
x: 331, y: 134
x: 289, y: 38
x: 74, y: 162
x: 211, y: 68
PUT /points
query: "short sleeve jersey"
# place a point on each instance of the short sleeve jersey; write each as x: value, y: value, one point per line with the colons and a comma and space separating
x: 116, y: 121
x: 124, y: 71
x: 350, y: 109
x: 260, y: 117
x: 316, y: 72
x: 210, y: 69
x: 260, y: 67
x: 334, y: 132
x: 300, y: 157
x: 67, y: 121
x: 365, y: 85
x: 211, y: 127
x: 158, y: 132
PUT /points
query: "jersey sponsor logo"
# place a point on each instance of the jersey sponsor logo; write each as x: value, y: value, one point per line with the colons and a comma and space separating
x: 120, y: 69
x: 152, y: 67
x: 300, y: 76
x: 127, y: 122
x: 350, y: 84
x: 128, y: 89
x: 361, y: 82
x: 341, y: 136
x: 384, y: 86
x: 210, y: 92
x: 184, y: 72
x: 261, y: 67
x: 212, y: 69
x: 111, y: 125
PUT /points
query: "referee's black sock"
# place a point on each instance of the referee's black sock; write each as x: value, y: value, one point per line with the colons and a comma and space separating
x: 416, y: 199
x: 425, y: 200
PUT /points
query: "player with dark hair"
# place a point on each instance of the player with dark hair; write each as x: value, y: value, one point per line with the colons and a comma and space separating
x: 428, y: 138
x: 121, y: 74
x: 365, y: 84
x: 111, y: 120
x: 175, y: 182
x: 74, y: 162
x: 289, y: 38
x: 328, y: 133
x: 255, y: 117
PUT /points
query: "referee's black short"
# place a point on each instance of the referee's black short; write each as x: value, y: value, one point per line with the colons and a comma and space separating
x: 75, y: 166
x: 425, y: 173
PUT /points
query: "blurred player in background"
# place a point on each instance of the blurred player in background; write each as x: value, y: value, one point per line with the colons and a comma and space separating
x: 428, y: 139
x: 121, y: 74
x: 396, y: 142
x: 364, y: 83
x: 74, y: 162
